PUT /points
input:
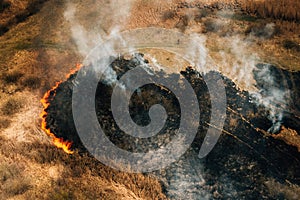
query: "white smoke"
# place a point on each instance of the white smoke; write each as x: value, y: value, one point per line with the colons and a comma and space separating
x: 274, y: 99
x: 242, y: 63
x: 241, y: 69
x: 263, y: 32
x: 197, y: 52
x: 85, y: 40
x: 88, y: 37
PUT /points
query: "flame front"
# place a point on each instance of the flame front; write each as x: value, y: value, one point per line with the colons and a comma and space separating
x: 58, y: 142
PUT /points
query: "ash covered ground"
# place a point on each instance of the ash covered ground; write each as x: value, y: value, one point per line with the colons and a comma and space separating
x: 247, y: 160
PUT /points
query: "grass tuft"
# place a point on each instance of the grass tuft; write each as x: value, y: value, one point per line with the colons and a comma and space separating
x: 289, y: 44
x: 11, y: 77
x: 4, y: 123
x: 11, y: 106
x: 16, y: 186
x: 31, y: 82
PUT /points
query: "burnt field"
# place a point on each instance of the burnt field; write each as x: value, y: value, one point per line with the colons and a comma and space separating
x: 246, y: 159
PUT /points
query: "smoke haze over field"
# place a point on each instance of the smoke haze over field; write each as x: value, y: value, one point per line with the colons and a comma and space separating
x: 242, y: 63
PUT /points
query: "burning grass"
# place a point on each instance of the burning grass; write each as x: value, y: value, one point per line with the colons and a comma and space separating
x: 58, y: 142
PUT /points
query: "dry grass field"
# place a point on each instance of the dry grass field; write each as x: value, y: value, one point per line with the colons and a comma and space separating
x: 277, y: 9
x: 37, y: 50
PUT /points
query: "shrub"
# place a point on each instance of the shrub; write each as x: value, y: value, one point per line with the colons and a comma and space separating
x: 263, y: 30
x: 11, y: 77
x: 201, y: 14
x: 4, y: 123
x: 32, y: 82
x: 3, y: 5
x: 168, y: 15
x: 11, y: 106
x: 61, y: 194
x: 16, y: 186
x: 213, y: 25
x: 8, y: 171
x: 289, y: 44
x: 183, y: 22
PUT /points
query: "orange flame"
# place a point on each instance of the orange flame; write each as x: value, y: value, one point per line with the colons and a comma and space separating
x: 58, y: 142
x: 73, y: 71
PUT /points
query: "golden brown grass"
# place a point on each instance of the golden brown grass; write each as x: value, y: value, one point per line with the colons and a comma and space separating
x: 11, y: 106
x: 30, y: 65
x: 13, y: 181
x: 63, y: 176
x: 277, y: 9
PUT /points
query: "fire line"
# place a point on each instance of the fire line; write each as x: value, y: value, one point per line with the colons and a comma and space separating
x: 58, y: 142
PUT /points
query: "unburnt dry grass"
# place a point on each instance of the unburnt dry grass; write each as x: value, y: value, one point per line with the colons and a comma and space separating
x: 32, y: 82
x: 13, y: 181
x: 4, y: 122
x: 11, y: 77
x: 20, y: 80
x: 74, y: 176
x: 277, y: 9
x: 11, y: 106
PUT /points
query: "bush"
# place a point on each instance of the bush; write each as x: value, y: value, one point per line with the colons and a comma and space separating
x: 168, y: 15
x: 61, y: 194
x: 4, y: 123
x: 263, y: 30
x: 3, y: 5
x: 8, y: 171
x: 11, y: 77
x: 32, y: 82
x: 11, y: 106
x: 183, y: 22
x: 16, y: 186
x: 201, y: 14
x: 289, y: 44
x: 213, y: 25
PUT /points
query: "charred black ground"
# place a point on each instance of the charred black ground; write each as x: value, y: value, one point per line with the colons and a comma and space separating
x: 241, y: 163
